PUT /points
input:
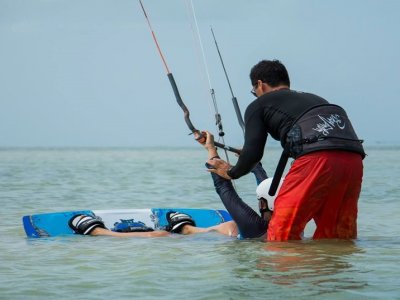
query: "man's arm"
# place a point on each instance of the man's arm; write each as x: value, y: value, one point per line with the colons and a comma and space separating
x: 253, y: 149
x: 254, y: 143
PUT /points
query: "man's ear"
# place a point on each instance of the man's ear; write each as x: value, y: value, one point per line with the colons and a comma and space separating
x: 266, y: 88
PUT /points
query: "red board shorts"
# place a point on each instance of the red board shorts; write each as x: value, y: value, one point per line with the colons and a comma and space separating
x: 324, y: 186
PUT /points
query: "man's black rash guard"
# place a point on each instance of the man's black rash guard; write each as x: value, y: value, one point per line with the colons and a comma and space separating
x: 272, y: 113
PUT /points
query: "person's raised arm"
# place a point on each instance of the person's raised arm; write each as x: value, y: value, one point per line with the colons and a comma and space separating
x: 250, y: 224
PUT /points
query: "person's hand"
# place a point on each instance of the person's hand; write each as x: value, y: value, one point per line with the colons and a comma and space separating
x: 200, y: 137
x: 219, y: 167
x: 209, y: 145
x: 205, y: 138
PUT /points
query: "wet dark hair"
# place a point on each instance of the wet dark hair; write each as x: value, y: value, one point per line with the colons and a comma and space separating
x: 272, y: 72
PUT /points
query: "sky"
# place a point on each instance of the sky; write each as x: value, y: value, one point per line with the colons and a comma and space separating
x: 87, y: 73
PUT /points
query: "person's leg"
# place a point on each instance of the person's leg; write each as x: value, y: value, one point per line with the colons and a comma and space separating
x: 300, y: 198
x: 347, y: 221
x: 337, y: 218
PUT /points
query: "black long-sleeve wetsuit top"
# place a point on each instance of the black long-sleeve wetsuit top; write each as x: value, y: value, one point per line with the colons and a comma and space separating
x: 272, y: 113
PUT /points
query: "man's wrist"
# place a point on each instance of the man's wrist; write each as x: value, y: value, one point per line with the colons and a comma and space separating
x: 229, y: 173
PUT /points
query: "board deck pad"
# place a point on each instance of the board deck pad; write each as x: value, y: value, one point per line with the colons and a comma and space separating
x: 55, y: 224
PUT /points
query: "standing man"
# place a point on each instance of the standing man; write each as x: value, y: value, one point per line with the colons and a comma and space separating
x: 324, y: 181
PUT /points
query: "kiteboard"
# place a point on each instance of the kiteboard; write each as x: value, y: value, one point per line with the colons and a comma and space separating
x: 56, y: 223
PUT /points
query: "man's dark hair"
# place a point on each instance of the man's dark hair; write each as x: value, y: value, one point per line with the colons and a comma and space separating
x: 272, y: 72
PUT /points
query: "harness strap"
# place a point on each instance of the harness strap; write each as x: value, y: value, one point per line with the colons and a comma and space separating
x: 278, y: 173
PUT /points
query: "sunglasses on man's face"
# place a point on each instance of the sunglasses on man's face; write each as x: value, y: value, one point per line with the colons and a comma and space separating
x: 253, y: 91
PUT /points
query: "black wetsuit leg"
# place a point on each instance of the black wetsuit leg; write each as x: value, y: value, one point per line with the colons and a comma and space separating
x: 250, y: 224
x: 259, y: 173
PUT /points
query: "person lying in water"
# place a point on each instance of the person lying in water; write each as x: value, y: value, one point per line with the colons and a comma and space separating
x: 246, y: 222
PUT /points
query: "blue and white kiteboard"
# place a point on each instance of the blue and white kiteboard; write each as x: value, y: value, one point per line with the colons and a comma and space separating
x: 55, y: 224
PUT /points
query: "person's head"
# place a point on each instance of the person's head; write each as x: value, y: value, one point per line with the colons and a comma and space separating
x: 265, y: 201
x: 268, y: 75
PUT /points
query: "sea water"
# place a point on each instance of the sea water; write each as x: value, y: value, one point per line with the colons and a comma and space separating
x: 206, y: 266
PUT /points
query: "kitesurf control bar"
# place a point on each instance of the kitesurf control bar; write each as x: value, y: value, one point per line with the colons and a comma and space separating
x: 187, y: 114
x: 176, y: 92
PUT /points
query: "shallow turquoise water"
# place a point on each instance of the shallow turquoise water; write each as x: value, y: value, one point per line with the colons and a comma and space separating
x: 205, y: 266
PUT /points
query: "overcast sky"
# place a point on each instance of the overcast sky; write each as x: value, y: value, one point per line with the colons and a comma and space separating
x: 87, y: 73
